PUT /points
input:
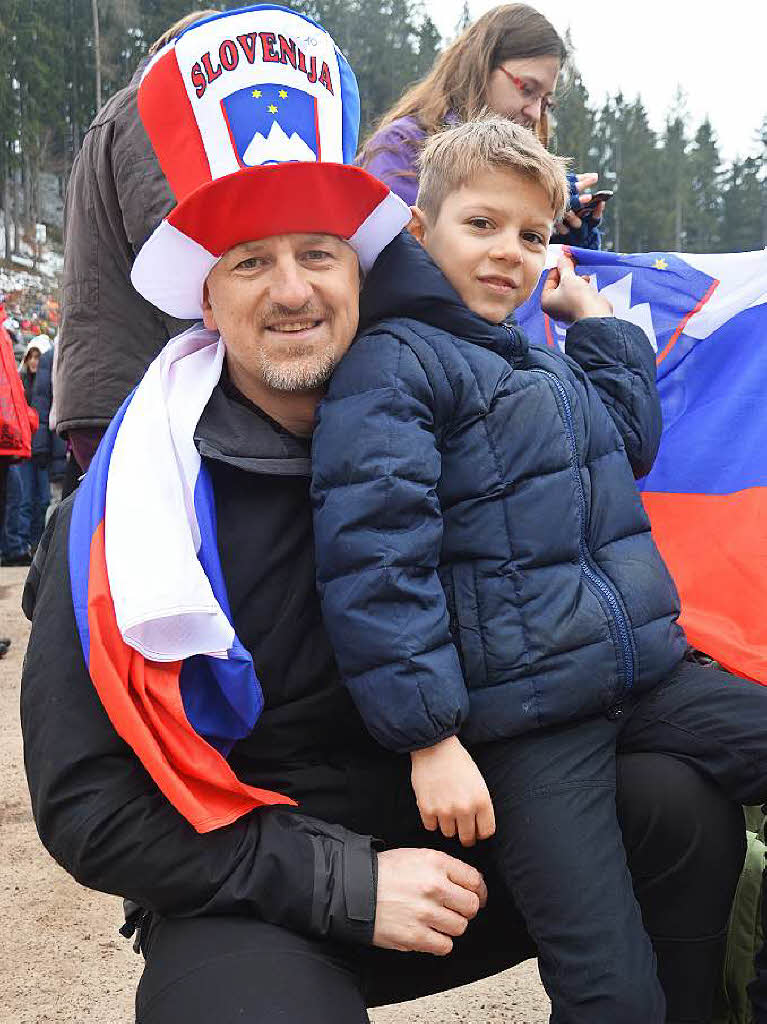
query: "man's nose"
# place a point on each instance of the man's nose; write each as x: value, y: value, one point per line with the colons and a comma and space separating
x: 289, y: 285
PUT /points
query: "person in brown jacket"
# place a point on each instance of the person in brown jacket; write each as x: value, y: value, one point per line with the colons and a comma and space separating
x: 117, y: 195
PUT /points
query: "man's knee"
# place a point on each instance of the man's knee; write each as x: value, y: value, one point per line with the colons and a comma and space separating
x: 678, y: 826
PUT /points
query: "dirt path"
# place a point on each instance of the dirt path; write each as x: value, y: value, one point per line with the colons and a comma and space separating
x: 63, y: 960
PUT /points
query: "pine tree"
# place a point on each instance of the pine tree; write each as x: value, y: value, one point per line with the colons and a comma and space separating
x: 389, y: 44
x: 464, y: 19
x: 574, y: 122
x: 671, y: 194
x: 742, y: 205
x: 704, y: 201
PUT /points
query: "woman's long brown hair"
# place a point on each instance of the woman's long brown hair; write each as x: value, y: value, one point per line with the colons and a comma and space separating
x: 457, y: 84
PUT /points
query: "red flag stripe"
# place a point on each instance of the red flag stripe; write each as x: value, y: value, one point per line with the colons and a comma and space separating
x: 716, y: 548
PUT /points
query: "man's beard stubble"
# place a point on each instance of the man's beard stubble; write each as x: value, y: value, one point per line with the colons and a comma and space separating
x: 297, y: 374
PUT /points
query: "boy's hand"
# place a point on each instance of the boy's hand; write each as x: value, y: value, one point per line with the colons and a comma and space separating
x: 565, y: 296
x: 451, y: 793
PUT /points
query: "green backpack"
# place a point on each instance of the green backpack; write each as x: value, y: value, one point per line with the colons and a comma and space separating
x: 745, y: 931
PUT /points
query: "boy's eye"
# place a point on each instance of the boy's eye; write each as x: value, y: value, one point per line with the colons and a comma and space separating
x: 535, y: 238
x: 481, y: 222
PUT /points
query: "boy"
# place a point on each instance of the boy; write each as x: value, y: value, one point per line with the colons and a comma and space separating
x: 487, y: 570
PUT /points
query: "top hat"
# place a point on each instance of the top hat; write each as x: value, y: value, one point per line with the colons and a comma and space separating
x: 254, y: 116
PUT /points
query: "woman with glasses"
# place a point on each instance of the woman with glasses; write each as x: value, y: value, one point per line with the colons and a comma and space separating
x: 508, y: 61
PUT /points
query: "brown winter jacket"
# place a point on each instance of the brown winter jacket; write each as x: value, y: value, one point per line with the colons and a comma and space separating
x: 116, y: 197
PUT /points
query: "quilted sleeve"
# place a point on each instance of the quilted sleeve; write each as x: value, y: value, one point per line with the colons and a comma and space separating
x: 620, y: 363
x: 378, y: 534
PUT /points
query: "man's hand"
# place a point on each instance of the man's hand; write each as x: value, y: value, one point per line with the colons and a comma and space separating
x: 565, y: 296
x: 424, y: 899
x: 451, y: 793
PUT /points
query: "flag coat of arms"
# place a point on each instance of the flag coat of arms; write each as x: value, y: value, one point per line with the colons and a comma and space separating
x: 706, y: 318
x: 272, y: 124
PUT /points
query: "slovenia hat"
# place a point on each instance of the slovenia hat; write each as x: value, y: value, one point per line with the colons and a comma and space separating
x: 254, y: 117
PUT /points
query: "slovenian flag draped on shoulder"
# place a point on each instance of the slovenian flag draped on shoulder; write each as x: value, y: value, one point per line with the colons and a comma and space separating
x: 150, y: 599
x: 706, y: 318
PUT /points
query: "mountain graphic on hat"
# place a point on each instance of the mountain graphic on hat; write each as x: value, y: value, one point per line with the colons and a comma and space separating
x: 276, y: 148
x: 254, y: 117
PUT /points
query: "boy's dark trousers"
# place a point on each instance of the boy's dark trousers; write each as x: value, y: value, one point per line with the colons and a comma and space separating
x: 559, y: 846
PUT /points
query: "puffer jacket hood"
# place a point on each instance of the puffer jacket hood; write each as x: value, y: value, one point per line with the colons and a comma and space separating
x: 483, y: 557
x: 406, y: 282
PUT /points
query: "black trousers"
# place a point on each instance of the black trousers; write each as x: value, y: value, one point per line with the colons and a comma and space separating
x: 554, y: 797
x: 684, y: 842
x: 4, y: 466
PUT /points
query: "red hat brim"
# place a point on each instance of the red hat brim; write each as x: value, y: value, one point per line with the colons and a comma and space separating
x: 256, y: 203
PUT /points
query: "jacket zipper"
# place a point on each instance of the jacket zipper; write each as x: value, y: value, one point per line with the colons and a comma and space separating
x: 595, y: 578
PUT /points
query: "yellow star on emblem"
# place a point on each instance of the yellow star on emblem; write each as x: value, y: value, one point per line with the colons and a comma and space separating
x: 256, y: 94
x: 660, y: 265
x: 282, y: 94
x: 272, y: 109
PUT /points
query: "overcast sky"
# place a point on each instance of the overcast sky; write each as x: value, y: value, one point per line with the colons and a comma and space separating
x: 717, y: 54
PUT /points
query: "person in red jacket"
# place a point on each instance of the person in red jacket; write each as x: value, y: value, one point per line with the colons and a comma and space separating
x: 18, y: 421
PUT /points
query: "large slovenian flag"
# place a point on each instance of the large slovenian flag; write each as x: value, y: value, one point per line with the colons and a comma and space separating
x: 149, y: 595
x: 706, y: 318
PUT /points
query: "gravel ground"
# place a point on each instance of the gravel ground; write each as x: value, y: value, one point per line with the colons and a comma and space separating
x: 63, y: 960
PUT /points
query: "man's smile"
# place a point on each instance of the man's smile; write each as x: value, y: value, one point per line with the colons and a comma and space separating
x: 295, y: 327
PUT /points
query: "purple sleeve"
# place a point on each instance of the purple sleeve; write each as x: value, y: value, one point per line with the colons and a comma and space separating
x: 391, y: 156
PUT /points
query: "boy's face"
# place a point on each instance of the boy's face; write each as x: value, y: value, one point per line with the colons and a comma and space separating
x: 489, y: 240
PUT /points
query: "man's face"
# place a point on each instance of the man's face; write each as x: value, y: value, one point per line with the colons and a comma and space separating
x: 489, y: 239
x: 287, y: 308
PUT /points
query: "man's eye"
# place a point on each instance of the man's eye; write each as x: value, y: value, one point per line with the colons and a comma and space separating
x: 316, y: 255
x: 251, y: 263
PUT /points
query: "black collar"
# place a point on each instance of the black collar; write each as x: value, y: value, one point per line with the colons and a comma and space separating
x: 234, y: 430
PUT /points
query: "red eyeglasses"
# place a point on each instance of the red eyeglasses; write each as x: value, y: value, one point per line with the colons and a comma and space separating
x: 529, y: 93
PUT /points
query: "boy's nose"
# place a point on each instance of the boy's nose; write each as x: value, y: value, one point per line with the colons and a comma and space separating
x: 508, y: 250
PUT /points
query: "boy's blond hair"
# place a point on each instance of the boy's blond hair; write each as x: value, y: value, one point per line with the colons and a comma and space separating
x: 452, y: 158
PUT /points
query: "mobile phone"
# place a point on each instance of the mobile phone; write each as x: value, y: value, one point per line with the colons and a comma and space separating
x: 601, y: 196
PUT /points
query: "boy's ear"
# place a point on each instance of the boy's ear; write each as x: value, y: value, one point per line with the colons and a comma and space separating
x: 417, y: 225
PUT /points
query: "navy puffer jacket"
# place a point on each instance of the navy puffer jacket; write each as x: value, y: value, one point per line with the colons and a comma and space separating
x: 477, y: 523
x: 46, y: 444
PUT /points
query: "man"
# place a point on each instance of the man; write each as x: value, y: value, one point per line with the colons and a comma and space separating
x: 194, y: 693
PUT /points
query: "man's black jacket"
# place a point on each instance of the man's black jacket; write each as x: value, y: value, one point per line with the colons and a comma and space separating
x: 97, y: 810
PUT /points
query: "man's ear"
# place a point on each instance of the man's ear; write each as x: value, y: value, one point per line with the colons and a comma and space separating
x: 208, y: 317
x: 417, y: 225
